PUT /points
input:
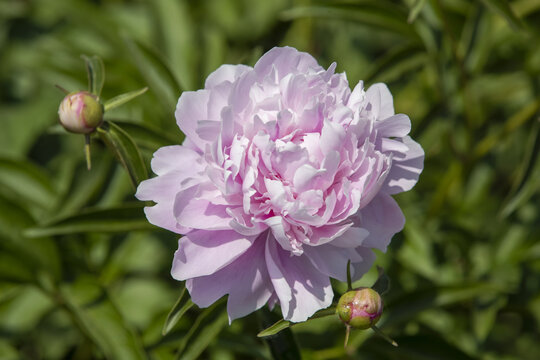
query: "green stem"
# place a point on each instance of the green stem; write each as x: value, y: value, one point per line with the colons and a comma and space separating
x: 349, y: 282
x: 384, y: 336
x: 87, y: 151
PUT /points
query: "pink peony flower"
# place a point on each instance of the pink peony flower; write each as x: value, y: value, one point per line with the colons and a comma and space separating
x: 284, y: 176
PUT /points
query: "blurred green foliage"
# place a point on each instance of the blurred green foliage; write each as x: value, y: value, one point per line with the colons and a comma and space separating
x: 84, y: 276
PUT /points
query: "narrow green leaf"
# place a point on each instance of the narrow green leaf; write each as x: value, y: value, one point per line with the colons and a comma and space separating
x: 382, y: 15
x: 123, y: 98
x: 125, y: 150
x: 103, y: 324
x: 25, y: 182
x: 206, y: 336
x: 96, y: 74
x: 283, y: 344
x: 207, y: 317
x: 275, y: 328
x: 284, y: 324
x: 502, y: 7
x: 415, y: 10
x: 182, y: 305
x: 148, y: 136
x: 122, y: 218
x: 382, y: 285
x: 156, y: 72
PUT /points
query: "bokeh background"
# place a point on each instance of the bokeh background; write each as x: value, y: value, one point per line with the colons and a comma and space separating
x: 84, y: 276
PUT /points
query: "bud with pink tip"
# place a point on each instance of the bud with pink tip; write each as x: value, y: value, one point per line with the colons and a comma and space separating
x: 360, y: 309
x: 80, y: 112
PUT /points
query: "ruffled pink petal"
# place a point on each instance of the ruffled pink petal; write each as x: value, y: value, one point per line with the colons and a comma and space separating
x: 300, y: 287
x: 191, y: 108
x: 196, y: 213
x: 332, y: 260
x: 406, y: 168
x: 225, y: 73
x: 383, y: 98
x: 383, y: 219
x: 245, y: 280
x: 283, y: 60
x: 204, y: 252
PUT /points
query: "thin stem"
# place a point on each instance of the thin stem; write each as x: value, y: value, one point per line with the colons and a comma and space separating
x: 61, y: 89
x: 87, y: 151
x: 349, y: 282
x: 384, y: 336
x: 347, y: 332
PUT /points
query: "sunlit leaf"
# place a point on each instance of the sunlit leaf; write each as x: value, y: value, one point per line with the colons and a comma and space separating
x: 182, y: 305
x: 123, y: 98
x: 125, y: 150
x: 96, y: 74
x: 128, y: 217
x: 284, y: 324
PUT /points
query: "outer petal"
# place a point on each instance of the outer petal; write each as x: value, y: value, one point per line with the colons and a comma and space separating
x: 285, y: 60
x: 332, y: 260
x: 176, y: 157
x: 300, y: 287
x: 225, y: 73
x: 191, y: 108
x: 245, y: 280
x: 406, y: 168
x: 173, y: 164
x: 386, y: 105
x: 382, y: 218
x: 203, y: 252
x: 196, y: 213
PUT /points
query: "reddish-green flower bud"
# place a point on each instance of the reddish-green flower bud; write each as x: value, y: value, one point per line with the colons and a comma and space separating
x: 80, y: 112
x: 361, y: 309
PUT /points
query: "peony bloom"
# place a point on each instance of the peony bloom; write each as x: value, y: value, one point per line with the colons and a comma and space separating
x: 284, y: 176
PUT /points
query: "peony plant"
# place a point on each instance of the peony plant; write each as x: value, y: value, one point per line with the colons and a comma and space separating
x: 284, y: 176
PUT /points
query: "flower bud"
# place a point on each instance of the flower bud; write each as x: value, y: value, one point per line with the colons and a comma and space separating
x: 80, y: 112
x: 361, y: 309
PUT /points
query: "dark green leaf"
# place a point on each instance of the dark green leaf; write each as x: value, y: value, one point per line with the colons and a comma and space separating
x: 284, y: 324
x: 198, y: 344
x: 156, y: 72
x: 122, y: 218
x: 125, y: 150
x: 415, y: 10
x: 282, y: 344
x: 182, y: 305
x: 96, y: 74
x: 206, y: 318
x: 123, y: 98
x: 382, y: 285
x: 502, y: 7
x: 150, y: 137
x: 24, y: 182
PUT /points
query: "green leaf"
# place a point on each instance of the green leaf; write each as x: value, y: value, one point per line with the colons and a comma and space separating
x: 503, y: 8
x: 148, y: 136
x: 383, y: 15
x: 284, y: 324
x: 409, y: 305
x: 101, y: 322
x: 123, y: 98
x: 415, y: 10
x: 205, y: 337
x: 156, y: 72
x: 206, y: 318
x: 282, y: 344
x: 96, y: 74
x: 123, y: 218
x: 125, y: 150
x: 22, y: 181
x: 382, y: 285
x: 182, y: 305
